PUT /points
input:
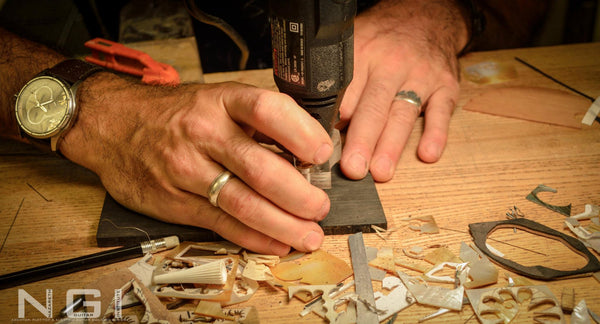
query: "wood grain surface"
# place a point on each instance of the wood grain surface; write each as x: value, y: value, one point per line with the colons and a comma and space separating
x: 49, y: 208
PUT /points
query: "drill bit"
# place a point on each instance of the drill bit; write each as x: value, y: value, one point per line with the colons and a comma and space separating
x: 319, y: 175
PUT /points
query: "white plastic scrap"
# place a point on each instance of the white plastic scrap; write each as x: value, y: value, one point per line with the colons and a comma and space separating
x: 504, y: 303
x: 143, y: 270
x: 424, y: 224
x: 437, y: 313
x: 349, y: 315
x: 187, y: 293
x: 590, y: 211
x: 429, y: 276
x: 111, y: 313
x: 257, y: 271
x: 398, y: 299
x: 383, y: 233
x: 580, y: 314
x: 589, y: 238
x: 580, y: 231
x: 325, y: 290
x: 434, y: 295
x: 317, y: 305
x: 481, y: 271
x: 467, y: 254
x: 592, y: 113
x: 329, y: 304
x: 494, y: 250
x: 415, y: 252
x: 214, y: 272
x: 243, y: 289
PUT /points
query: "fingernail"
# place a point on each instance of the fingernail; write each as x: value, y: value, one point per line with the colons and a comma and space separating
x: 358, y: 163
x: 323, y: 153
x: 278, y: 248
x: 383, y: 165
x: 312, y: 241
x: 324, y: 210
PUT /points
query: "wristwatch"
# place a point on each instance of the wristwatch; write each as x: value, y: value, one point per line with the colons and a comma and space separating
x: 46, y: 106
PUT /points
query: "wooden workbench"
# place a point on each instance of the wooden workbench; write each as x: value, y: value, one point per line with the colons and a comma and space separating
x: 49, y: 208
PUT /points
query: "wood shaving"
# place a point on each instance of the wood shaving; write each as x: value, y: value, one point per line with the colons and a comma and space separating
x: 385, y: 259
x: 383, y: 233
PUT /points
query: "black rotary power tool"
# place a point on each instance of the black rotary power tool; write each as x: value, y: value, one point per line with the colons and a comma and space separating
x: 313, y: 58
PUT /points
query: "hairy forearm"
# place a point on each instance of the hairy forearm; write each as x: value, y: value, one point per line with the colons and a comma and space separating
x: 442, y: 22
x: 20, y: 60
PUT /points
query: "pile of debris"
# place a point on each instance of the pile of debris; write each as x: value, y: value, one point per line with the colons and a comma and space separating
x: 213, y: 275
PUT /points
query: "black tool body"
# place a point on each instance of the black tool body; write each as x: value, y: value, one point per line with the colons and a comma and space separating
x: 313, y: 45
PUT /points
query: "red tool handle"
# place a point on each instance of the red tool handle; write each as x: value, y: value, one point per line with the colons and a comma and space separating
x: 121, y: 58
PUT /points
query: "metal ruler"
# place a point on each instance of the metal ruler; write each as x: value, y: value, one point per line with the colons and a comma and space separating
x: 362, y: 279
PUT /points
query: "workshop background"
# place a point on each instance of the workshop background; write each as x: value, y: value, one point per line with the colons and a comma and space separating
x: 67, y: 24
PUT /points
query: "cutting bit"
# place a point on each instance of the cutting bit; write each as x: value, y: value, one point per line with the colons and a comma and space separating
x: 319, y: 175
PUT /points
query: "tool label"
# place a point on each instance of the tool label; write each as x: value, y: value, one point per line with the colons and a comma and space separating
x: 289, y: 57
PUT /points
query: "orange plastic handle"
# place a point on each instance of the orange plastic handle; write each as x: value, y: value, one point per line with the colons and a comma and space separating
x: 121, y: 58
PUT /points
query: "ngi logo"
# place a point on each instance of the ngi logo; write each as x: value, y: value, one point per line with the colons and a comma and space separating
x: 47, y: 310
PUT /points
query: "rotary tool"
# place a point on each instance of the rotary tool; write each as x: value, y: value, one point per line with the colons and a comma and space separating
x: 312, y: 48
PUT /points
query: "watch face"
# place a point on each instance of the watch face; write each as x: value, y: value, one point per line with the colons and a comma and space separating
x: 44, y: 107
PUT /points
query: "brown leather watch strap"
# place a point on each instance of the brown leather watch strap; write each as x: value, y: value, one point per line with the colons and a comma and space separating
x: 73, y: 70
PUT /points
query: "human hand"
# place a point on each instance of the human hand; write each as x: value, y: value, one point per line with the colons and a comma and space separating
x: 402, y: 46
x: 157, y: 150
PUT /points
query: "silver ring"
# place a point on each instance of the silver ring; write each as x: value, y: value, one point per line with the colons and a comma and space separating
x: 215, y: 187
x: 410, y: 97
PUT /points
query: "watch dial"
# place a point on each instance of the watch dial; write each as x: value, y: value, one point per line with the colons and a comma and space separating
x: 44, y: 106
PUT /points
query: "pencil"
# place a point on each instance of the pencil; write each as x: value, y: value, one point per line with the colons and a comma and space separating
x: 86, y: 262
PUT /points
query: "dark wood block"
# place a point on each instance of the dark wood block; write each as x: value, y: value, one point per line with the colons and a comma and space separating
x: 355, y: 206
x: 120, y: 226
